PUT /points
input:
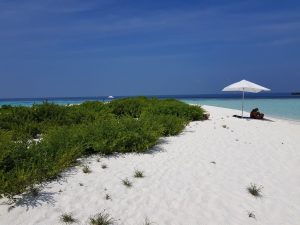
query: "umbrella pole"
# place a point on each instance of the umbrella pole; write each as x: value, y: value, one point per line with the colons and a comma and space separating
x: 243, y: 104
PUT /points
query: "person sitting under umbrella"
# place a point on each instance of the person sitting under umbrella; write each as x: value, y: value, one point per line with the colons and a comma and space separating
x: 255, y: 114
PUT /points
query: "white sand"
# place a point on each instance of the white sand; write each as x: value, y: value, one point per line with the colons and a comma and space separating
x: 182, y: 186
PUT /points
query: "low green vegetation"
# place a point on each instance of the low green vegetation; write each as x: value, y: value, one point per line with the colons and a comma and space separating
x: 138, y: 174
x: 86, y: 169
x: 107, y: 197
x: 127, y: 183
x: 39, y: 142
x: 104, y: 166
x: 147, y: 221
x: 67, y: 218
x: 251, y: 215
x: 102, y: 219
x: 254, y: 190
x: 34, y: 191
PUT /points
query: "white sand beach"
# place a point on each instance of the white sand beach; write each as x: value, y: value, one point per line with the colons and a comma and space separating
x: 197, y: 178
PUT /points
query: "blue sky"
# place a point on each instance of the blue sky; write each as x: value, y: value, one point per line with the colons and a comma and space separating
x: 126, y: 47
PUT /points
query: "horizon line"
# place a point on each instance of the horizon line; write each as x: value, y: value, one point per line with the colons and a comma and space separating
x: 122, y: 96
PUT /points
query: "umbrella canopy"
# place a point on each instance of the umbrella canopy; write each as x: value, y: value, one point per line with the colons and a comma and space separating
x: 111, y: 97
x: 245, y: 86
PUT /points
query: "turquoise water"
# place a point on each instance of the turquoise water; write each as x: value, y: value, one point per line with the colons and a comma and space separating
x: 62, y: 101
x: 280, y: 108
x: 274, y: 105
x: 30, y: 102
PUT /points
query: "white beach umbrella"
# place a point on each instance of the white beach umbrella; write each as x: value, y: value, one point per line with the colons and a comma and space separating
x: 111, y: 97
x: 245, y: 86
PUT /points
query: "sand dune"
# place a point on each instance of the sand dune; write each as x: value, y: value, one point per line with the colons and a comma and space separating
x: 199, y: 177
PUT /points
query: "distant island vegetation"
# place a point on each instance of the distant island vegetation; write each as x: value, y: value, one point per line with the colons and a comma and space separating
x: 37, y: 143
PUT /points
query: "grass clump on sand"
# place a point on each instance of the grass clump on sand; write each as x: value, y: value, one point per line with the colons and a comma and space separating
x: 139, y: 174
x: 251, y: 215
x: 255, y: 190
x: 127, y: 183
x: 104, y: 166
x: 147, y: 221
x: 34, y: 191
x: 102, y: 219
x: 107, y: 197
x: 67, y: 218
x: 86, y: 169
x: 70, y: 132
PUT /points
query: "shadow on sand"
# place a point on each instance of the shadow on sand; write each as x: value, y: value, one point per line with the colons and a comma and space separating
x: 249, y: 118
x: 29, y: 201
x: 153, y: 150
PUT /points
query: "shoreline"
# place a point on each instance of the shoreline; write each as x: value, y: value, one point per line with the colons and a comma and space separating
x: 268, y: 117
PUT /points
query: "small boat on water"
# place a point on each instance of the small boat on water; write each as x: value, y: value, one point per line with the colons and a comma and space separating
x: 296, y: 93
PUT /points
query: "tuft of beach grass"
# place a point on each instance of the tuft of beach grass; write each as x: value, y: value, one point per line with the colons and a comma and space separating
x: 34, y: 191
x: 139, y: 174
x: 104, y: 166
x: 67, y: 218
x: 127, y: 182
x: 102, y: 218
x: 107, y: 197
x: 251, y: 215
x: 254, y: 190
x: 147, y: 221
x: 86, y: 169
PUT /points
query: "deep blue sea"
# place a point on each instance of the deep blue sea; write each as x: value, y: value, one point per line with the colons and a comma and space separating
x: 281, y: 105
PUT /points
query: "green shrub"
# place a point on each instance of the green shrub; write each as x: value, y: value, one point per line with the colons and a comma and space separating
x: 176, y: 108
x: 6, y: 106
x: 70, y: 132
x: 131, y: 107
x: 167, y: 125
